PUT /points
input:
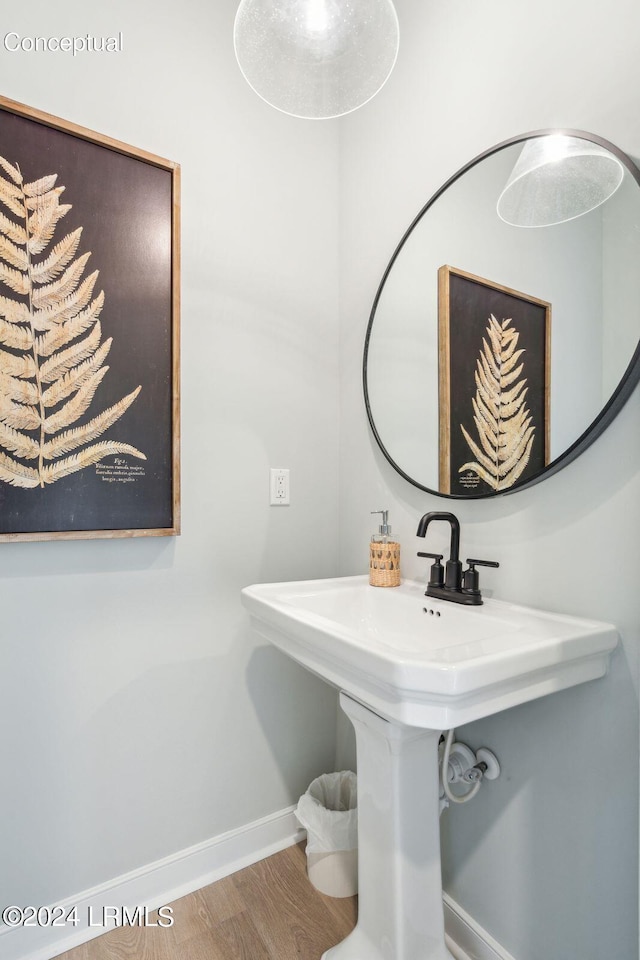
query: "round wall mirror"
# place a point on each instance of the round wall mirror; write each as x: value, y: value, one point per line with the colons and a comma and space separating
x: 504, y: 336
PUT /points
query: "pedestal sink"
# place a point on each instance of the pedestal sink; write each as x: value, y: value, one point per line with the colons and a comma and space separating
x: 409, y: 667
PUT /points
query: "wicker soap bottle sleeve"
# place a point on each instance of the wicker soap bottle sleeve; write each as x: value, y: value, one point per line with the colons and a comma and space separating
x: 384, y: 556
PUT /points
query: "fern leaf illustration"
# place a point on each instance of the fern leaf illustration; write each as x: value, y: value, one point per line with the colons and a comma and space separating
x: 73, y: 409
x: 13, y: 172
x: 18, y: 415
x: 487, y: 359
x: 506, y: 379
x: 61, y: 361
x: 16, y: 389
x: 485, y: 378
x: 14, y: 311
x: 8, y: 198
x: 518, y: 468
x: 19, y: 443
x: 503, y: 423
x: 43, y: 223
x: 15, y: 279
x: 78, y: 461
x: 510, y: 478
x: 76, y: 377
x: 17, y: 337
x: 487, y: 412
x: 64, y: 307
x: 510, y: 362
x: 486, y: 462
x: 65, y: 333
x: 17, y: 366
x: 41, y: 186
x: 72, y: 439
x: 43, y: 202
x: 8, y: 189
x: 511, y: 396
x: 15, y: 473
x: 50, y: 293
x: 13, y: 230
x: 57, y: 260
x: 487, y: 433
x: 51, y: 354
x: 13, y: 255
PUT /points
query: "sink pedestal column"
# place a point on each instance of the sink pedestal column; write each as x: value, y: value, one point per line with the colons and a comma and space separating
x: 400, y: 914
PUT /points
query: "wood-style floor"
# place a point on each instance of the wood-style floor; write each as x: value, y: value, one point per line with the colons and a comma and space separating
x: 268, y: 911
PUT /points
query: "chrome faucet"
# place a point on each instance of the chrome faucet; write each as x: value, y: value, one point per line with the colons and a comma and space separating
x: 451, y: 582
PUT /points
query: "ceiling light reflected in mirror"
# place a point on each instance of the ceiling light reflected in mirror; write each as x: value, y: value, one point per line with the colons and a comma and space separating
x: 558, y: 178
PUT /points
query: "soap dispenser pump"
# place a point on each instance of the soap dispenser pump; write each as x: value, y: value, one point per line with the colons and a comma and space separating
x: 384, y: 555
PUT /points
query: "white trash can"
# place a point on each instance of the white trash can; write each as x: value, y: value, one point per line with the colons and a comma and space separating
x: 328, y: 812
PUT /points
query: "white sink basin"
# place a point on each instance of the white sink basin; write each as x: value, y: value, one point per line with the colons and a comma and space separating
x: 404, y: 661
x: 423, y: 662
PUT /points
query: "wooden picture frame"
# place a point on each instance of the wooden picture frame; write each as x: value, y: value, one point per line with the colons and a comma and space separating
x: 494, y: 347
x: 89, y: 333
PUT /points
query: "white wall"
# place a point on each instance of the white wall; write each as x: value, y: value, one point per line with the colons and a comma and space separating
x: 546, y: 858
x: 138, y: 713
x: 621, y: 280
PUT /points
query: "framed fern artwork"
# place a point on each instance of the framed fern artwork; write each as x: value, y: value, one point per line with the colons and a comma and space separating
x: 494, y: 348
x: 89, y: 333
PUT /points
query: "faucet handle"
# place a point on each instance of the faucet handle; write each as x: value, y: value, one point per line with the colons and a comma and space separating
x: 470, y: 579
x: 436, y: 576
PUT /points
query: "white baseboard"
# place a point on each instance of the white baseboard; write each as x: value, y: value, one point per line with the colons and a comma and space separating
x: 466, y: 939
x: 164, y: 881
x: 155, y: 885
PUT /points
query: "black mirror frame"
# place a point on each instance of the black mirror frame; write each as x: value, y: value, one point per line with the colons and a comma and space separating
x: 616, y: 401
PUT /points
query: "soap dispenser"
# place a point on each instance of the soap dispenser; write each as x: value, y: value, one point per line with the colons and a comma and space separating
x: 384, y: 555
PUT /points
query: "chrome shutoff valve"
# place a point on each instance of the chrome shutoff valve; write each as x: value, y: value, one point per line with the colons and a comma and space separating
x: 486, y: 767
x: 465, y: 766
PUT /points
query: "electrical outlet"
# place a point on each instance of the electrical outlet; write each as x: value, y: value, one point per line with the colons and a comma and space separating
x: 279, y: 487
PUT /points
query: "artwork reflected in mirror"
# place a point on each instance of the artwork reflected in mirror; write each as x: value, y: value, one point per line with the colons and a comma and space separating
x: 563, y: 241
x: 494, y: 384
